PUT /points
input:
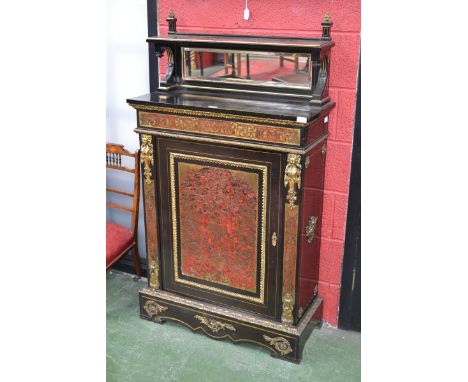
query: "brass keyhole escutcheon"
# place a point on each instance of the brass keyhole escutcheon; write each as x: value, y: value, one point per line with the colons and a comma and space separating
x: 274, y: 239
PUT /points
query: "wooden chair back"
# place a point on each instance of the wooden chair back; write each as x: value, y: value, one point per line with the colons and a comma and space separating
x: 114, y: 153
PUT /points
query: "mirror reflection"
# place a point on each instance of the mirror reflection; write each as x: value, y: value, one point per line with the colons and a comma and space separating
x: 257, y: 68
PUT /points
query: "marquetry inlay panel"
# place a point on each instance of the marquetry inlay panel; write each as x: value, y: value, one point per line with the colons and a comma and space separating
x: 221, y: 128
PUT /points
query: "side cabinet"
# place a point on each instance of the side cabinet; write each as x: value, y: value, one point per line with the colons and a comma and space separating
x: 233, y: 231
x: 233, y: 148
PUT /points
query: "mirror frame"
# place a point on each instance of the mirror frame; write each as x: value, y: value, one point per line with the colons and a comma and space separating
x: 244, y: 81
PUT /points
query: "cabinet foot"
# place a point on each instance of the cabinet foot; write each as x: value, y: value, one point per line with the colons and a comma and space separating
x: 276, y: 355
x: 284, y: 342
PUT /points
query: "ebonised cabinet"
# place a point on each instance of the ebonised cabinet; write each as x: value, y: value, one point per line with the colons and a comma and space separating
x: 233, y: 147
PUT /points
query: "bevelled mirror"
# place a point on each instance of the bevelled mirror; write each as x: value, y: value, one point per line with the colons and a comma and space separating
x: 290, y: 70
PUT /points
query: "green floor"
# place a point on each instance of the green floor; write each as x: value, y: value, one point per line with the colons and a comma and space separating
x: 140, y: 351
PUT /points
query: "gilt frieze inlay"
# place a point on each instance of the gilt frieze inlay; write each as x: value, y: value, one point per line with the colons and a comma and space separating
x: 222, y: 128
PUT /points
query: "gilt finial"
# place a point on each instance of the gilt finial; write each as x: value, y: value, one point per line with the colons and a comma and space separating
x: 171, y: 21
x: 326, y: 26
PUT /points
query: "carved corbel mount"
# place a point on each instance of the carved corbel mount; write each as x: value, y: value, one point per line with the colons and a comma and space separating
x: 321, y: 88
x: 292, y: 178
x: 159, y: 50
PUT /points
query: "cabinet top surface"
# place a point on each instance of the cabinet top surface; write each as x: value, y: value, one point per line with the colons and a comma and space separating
x: 295, y: 42
x: 245, y: 105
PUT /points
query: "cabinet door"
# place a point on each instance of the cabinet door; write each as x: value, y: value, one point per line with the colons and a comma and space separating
x: 220, y: 223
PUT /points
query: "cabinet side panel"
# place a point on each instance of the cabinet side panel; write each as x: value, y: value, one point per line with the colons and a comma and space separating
x: 318, y: 127
x: 310, y: 227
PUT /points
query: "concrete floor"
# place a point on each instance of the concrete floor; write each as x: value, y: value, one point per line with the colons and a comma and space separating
x: 140, y: 351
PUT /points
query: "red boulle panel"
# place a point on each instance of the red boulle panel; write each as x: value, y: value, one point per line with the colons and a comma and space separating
x: 218, y: 210
x: 219, y: 224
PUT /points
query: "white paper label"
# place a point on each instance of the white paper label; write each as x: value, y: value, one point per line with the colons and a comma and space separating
x: 246, y: 13
x: 301, y: 119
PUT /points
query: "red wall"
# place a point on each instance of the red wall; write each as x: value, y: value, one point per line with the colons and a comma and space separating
x: 301, y: 18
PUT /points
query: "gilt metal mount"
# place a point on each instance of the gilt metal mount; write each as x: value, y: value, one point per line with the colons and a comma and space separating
x: 213, y: 325
x: 310, y: 229
x: 292, y: 178
x: 146, y: 156
x: 281, y: 344
x: 153, y: 308
x: 288, y: 306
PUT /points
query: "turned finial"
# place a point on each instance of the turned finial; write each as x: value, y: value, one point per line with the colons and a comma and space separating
x: 326, y: 26
x: 171, y: 21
